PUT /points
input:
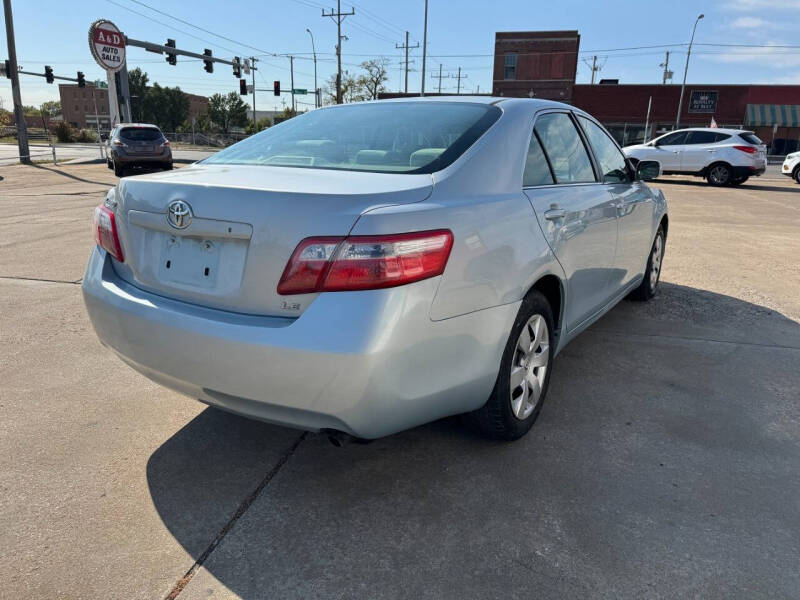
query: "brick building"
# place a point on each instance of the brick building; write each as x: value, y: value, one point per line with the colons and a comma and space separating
x: 535, y: 63
x: 78, y: 106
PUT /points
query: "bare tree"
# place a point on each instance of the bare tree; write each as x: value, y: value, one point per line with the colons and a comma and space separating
x: 371, y: 82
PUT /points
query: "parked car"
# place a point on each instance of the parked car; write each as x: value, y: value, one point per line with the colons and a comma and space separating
x: 366, y: 268
x: 721, y: 156
x: 791, y: 166
x: 133, y: 145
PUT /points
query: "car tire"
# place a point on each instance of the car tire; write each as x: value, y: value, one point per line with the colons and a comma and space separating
x: 168, y: 167
x: 719, y: 174
x: 652, y: 274
x: 119, y: 170
x: 797, y: 174
x: 525, y: 370
x: 109, y: 164
x: 740, y: 180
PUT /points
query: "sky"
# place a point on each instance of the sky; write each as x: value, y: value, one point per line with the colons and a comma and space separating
x: 460, y: 34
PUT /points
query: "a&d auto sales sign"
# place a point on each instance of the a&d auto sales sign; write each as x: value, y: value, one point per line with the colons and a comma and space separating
x: 107, y: 45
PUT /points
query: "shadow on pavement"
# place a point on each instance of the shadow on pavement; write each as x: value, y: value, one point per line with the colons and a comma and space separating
x: 745, y: 186
x: 665, y: 463
x: 68, y: 175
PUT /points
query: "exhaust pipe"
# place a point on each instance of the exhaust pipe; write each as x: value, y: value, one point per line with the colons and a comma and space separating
x: 340, y: 439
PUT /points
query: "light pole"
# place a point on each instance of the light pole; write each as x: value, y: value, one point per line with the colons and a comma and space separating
x: 685, y: 71
x: 314, y: 52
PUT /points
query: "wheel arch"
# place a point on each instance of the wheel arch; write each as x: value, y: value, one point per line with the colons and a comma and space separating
x: 664, y: 224
x: 552, y: 288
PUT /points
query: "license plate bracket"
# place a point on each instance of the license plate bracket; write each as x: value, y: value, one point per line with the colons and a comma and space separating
x: 190, y: 261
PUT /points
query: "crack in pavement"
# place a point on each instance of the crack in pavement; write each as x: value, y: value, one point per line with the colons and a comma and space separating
x: 20, y: 278
x: 692, y: 339
x: 181, y: 584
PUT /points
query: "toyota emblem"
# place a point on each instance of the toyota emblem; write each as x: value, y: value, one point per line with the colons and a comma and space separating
x: 179, y: 214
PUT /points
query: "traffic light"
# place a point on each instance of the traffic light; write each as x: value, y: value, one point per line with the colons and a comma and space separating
x: 81, y: 79
x: 276, y: 87
x: 237, y: 68
x: 171, y: 58
x: 209, y: 63
x: 243, y: 87
x: 48, y: 73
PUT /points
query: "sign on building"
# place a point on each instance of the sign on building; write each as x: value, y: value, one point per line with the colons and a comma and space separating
x: 703, y: 101
x: 107, y: 45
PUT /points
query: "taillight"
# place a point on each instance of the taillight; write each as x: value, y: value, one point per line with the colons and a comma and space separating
x: 748, y: 149
x: 105, y: 232
x: 329, y: 264
x: 165, y: 143
x: 120, y: 143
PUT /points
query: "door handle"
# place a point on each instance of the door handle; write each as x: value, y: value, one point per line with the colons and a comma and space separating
x: 676, y: 152
x: 555, y: 213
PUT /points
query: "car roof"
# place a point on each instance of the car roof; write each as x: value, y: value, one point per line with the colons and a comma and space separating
x: 713, y: 129
x: 535, y: 102
x: 142, y: 125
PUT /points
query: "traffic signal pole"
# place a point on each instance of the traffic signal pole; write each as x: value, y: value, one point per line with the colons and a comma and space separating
x: 253, y: 67
x: 19, y: 115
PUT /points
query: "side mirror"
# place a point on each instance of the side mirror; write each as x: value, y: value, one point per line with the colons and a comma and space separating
x: 647, y: 170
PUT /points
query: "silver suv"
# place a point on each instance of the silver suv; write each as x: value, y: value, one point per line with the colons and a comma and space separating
x: 721, y: 156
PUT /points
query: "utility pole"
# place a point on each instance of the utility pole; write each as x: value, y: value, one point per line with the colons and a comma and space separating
x: 338, y: 17
x: 424, y: 48
x: 314, y: 52
x: 685, y: 71
x: 291, y: 70
x: 594, y: 67
x: 253, y: 72
x: 440, y: 77
x: 13, y: 74
x: 458, y: 85
x: 406, y: 47
x: 667, y: 72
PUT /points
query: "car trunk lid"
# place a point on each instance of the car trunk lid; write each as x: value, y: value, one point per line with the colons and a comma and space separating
x: 243, y: 222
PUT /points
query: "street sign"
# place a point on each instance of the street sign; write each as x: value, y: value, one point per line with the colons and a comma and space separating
x: 300, y: 91
x: 99, y: 83
x: 107, y: 45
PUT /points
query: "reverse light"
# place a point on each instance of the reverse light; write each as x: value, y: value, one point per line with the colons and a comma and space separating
x: 336, y: 264
x: 105, y: 232
x: 748, y: 149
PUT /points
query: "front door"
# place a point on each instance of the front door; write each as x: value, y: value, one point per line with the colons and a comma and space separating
x: 668, y: 150
x: 577, y: 214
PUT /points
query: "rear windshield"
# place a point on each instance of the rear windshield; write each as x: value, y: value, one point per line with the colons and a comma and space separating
x: 386, y: 137
x: 751, y: 138
x: 140, y: 134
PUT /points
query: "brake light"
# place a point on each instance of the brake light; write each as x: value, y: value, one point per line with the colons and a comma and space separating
x: 105, y: 232
x: 119, y: 143
x: 165, y: 143
x: 748, y: 149
x: 336, y: 264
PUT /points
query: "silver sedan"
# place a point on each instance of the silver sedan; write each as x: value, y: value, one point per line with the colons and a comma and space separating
x: 365, y: 268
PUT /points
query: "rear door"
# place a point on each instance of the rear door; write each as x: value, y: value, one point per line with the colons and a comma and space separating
x: 669, y: 149
x: 576, y: 213
x: 700, y: 150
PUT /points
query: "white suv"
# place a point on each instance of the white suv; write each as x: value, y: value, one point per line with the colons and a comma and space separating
x: 722, y: 156
x: 791, y: 166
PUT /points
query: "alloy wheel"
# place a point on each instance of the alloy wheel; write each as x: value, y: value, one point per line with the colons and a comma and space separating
x: 655, y: 261
x: 529, y: 367
x: 719, y: 175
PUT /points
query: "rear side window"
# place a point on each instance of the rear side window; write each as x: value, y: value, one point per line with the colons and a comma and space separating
x: 613, y: 166
x: 751, y: 138
x: 537, y: 172
x: 140, y: 134
x: 564, y: 149
x: 722, y: 136
x: 701, y: 137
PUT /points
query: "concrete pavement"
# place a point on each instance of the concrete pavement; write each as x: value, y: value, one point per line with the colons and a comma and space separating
x: 663, y: 465
x: 82, y: 154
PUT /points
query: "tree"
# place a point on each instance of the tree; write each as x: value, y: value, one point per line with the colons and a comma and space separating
x: 370, y: 84
x: 137, y: 86
x: 350, y: 90
x: 227, y: 111
x: 165, y: 106
x: 51, y: 108
x: 260, y: 126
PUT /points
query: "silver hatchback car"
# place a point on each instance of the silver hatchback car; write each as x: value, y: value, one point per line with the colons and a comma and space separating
x: 365, y: 268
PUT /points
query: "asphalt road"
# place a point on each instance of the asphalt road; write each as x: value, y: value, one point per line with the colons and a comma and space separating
x: 664, y: 464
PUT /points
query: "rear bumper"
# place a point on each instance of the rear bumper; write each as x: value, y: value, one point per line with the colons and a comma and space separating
x: 367, y: 363
x: 750, y: 171
x: 143, y: 159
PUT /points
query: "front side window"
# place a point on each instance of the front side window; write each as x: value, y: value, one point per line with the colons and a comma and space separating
x: 564, y: 148
x: 510, y: 66
x: 613, y: 166
x: 673, y: 139
x: 385, y: 137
